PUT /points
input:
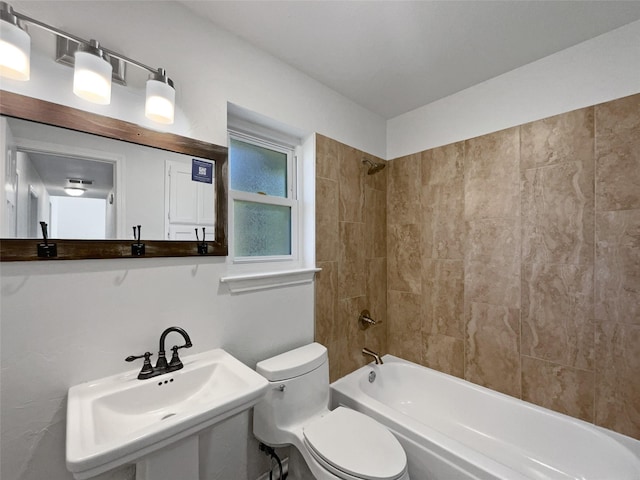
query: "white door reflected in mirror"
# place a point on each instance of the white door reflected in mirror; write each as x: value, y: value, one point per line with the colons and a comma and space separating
x: 189, y: 204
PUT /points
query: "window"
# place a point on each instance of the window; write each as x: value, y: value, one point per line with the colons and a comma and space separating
x: 263, y: 197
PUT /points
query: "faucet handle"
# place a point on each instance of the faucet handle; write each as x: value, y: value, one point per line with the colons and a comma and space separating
x: 176, y: 363
x: 365, y: 321
x: 146, y: 356
x: 147, y: 368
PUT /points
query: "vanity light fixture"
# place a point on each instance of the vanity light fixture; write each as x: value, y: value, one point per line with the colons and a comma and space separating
x: 93, y: 69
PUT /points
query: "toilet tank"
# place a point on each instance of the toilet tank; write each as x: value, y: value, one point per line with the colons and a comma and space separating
x: 298, y: 390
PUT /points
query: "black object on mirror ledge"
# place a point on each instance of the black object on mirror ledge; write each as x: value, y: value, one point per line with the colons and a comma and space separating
x: 137, y: 249
x: 203, y: 248
x: 46, y: 249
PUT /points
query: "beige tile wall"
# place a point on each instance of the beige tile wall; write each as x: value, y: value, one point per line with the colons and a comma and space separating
x: 351, y: 249
x: 520, y: 253
x: 511, y: 260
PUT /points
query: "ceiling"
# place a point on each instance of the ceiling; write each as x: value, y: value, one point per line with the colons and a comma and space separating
x: 55, y: 170
x: 394, y: 56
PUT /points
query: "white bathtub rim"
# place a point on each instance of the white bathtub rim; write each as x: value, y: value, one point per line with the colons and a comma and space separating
x: 629, y: 443
x: 443, y: 446
x: 450, y: 447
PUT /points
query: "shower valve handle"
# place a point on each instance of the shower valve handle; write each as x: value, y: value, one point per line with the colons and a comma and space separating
x: 365, y: 321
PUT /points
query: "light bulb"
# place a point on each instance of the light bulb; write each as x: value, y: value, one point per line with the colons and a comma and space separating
x: 15, y: 52
x: 92, y: 75
x: 74, y: 191
x: 161, y: 96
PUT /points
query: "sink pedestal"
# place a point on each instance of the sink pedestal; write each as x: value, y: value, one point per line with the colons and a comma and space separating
x: 177, y: 461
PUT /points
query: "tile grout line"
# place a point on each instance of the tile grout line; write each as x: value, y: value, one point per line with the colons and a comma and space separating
x: 521, y: 263
x: 595, y: 240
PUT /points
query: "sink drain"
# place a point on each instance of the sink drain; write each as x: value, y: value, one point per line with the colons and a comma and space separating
x: 167, y: 416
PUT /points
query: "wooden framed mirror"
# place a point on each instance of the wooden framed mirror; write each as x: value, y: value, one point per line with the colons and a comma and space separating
x: 174, y: 187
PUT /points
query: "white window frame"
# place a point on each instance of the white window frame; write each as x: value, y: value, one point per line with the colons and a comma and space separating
x: 291, y: 201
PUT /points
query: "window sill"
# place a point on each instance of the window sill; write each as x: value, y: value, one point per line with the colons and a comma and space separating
x: 262, y: 281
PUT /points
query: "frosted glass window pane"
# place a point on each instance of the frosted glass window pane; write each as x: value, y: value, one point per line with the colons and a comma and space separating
x: 261, y: 229
x: 257, y: 169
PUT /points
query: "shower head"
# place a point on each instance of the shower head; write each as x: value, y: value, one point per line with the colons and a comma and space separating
x: 373, y: 166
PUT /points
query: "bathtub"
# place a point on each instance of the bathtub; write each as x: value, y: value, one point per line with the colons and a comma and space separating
x: 453, y: 429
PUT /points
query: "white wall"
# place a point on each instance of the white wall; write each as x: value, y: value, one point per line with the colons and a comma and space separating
x: 29, y: 181
x: 209, y: 66
x: 598, y: 70
x: 65, y: 322
x: 78, y: 217
x: 68, y: 322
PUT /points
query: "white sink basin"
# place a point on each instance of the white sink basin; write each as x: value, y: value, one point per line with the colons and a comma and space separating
x: 118, y: 419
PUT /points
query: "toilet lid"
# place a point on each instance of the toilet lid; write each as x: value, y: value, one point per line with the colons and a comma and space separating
x: 356, y: 444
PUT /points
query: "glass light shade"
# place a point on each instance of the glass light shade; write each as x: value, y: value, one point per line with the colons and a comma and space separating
x: 74, y: 191
x: 160, y: 104
x: 15, y: 52
x: 92, y: 78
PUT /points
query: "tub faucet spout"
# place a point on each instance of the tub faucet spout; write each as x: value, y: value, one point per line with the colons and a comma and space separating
x: 376, y: 357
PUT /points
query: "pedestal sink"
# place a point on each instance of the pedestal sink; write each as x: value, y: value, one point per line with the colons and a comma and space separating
x: 119, y: 419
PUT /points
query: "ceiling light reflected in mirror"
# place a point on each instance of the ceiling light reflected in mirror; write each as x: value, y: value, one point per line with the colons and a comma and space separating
x: 75, y: 191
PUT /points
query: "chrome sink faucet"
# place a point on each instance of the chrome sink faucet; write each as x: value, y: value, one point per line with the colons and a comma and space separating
x: 162, y: 367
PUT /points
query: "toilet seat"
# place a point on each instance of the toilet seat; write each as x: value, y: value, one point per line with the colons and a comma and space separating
x: 354, y: 446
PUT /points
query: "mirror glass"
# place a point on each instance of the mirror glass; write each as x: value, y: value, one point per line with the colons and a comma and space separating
x: 89, y: 187
x: 94, y: 180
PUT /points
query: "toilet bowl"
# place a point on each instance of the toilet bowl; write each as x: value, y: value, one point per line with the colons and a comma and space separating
x: 339, y: 444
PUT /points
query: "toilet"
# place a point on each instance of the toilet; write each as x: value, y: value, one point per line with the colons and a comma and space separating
x: 335, y: 444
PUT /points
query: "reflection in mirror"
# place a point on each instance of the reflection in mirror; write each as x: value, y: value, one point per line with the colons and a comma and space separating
x: 89, y: 187
x: 92, y: 178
